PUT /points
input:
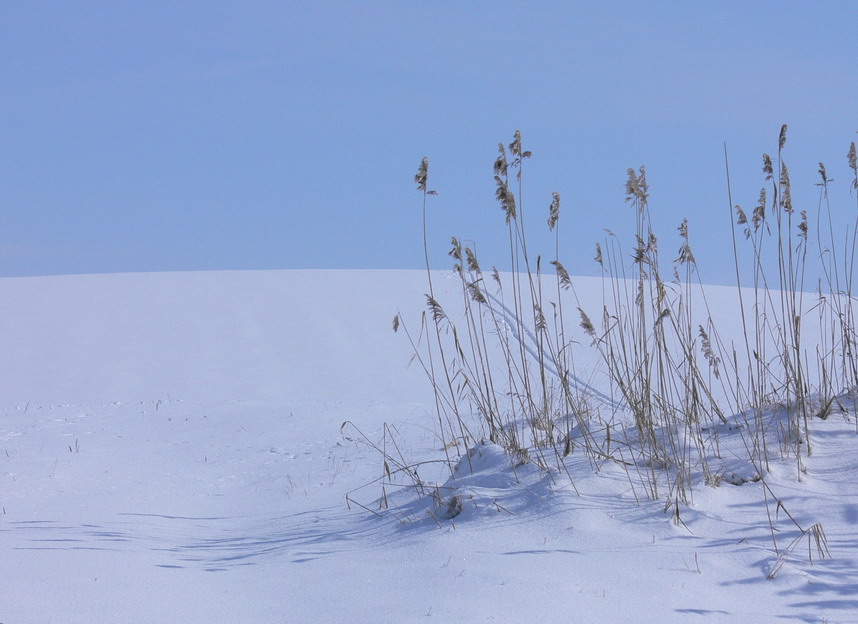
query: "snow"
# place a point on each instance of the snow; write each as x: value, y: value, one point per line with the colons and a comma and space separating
x: 198, y: 447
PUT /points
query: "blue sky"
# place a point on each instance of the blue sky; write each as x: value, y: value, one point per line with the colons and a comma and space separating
x: 150, y: 136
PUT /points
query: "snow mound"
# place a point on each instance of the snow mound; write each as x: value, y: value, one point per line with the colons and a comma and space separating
x: 488, y: 481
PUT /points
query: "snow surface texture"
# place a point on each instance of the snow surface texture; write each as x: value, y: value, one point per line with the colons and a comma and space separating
x: 171, y: 450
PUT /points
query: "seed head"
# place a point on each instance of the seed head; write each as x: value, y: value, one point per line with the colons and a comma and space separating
x: 767, y: 166
x: 802, y: 226
x: 435, y: 308
x: 586, y: 324
x: 853, y: 164
x: 515, y: 146
x: 456, y: 250
x: 759, y: 215
x: 782, y: 138
x: 476, y: 293
x: 825, y: 179
x: 473, y: 265
x: 422, y: 174
x: 554, y: 210
x: 496, y: 275
x: 506, y: 198
x: 562, y: 274
x: 709, y: 353
x: 786, y: 196
x: 501, y: 165
x: 685, y: 254
x: 539, y: 318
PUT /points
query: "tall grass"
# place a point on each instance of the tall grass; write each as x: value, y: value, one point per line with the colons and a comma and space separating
x: 674, y: 383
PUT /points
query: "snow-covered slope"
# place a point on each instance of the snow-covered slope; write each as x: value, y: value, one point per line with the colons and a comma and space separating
x: 171, y: 450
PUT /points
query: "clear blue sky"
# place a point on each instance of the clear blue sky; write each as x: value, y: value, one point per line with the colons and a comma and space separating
x: 148, y: 136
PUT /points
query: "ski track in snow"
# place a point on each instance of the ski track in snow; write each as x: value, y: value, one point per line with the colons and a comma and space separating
x: 531, y: 345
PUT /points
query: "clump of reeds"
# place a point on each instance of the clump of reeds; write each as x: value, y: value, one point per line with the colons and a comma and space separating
x: 504, y: 370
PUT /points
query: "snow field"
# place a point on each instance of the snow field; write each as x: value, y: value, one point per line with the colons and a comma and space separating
x: 171, y: 450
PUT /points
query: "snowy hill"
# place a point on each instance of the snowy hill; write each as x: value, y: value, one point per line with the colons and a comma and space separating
x: 172, y: 449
